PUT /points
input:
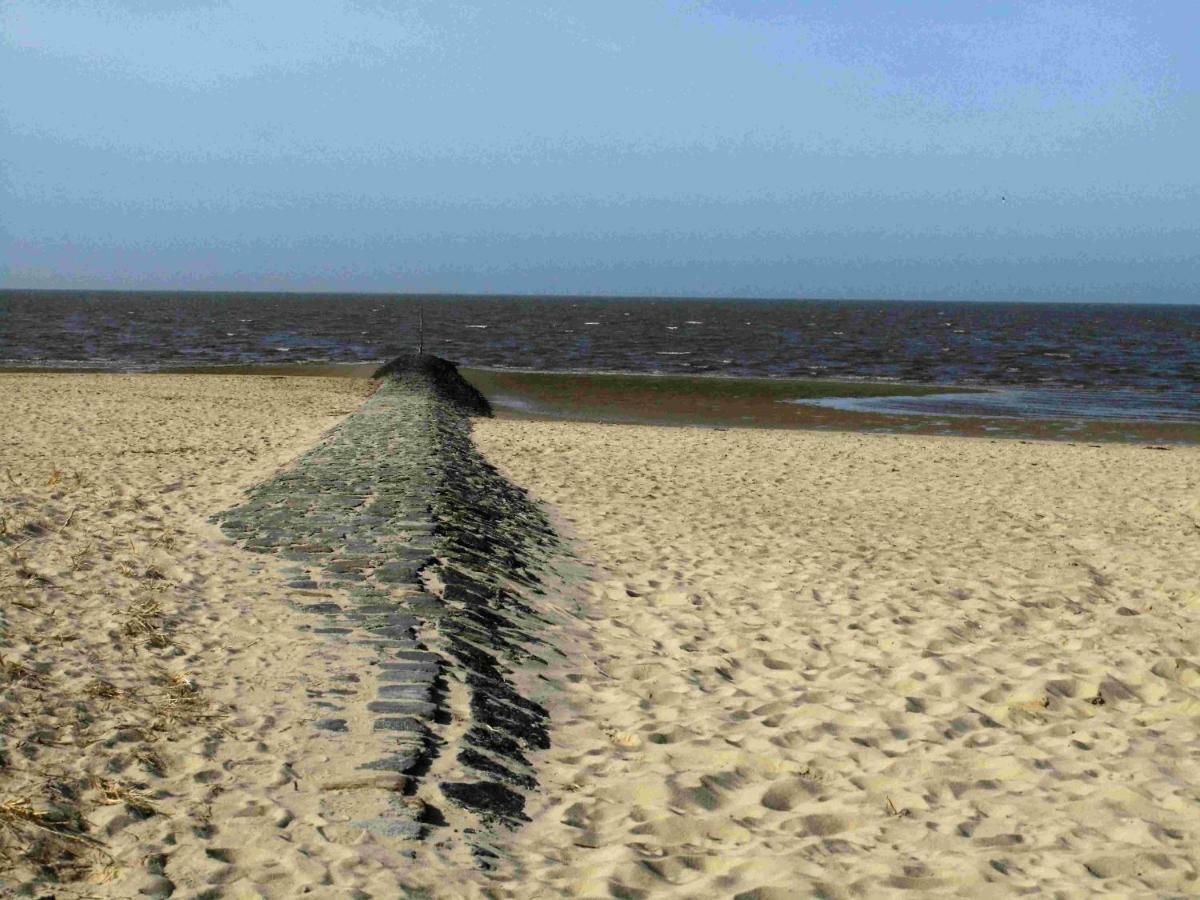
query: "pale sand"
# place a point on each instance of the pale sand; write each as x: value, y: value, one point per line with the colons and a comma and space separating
x: 149, y: 664
x: 859, y: 662
x: 847, y: 664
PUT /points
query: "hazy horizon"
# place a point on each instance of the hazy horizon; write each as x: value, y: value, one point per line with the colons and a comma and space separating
x: 449, y: 295
x: 993, y: 152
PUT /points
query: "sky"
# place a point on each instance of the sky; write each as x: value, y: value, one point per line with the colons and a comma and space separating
x: 924, y: 150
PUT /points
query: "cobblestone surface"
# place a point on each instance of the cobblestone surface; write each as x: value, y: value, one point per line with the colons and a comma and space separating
x: 423, y: 552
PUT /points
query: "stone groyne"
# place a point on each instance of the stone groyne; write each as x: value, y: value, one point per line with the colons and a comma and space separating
x: 404, y: 539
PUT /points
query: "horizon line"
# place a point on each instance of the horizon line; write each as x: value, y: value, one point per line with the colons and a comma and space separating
x: 504, y: 295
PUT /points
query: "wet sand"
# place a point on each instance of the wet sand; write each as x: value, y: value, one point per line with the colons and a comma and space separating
x: 720, y: 402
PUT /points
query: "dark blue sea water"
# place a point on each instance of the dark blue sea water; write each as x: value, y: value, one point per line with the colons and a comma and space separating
x: 1090, y: 361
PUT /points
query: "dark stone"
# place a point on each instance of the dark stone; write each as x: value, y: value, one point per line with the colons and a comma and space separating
x: 402, y: 708
x: 405, y: 691
x: 497, y: 742
x: 374, y: 609
x: 488, y: 766
x: 387, y: 644
x: 425, y: 605
x: 392, y: 631
x: 423, y: 680
x: 488, y: 799
x: 397, y: 573
x: 431, y: 815
x: 394, y: 492
x: 406, y: 723
x: 407, y: 672
x: 500, y: 691
x: 419, y: 556
x: 399, y: 762
x: 326, y: 608
x: 442, y: 375
x: 419, y: 656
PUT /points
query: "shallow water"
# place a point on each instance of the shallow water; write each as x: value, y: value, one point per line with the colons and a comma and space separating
x: 1129, y: 405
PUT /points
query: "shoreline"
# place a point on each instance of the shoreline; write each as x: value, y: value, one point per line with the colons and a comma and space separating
x: 722, y: 401
x: 764, y: 403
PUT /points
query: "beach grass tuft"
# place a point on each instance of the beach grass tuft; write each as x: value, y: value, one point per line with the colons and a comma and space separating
x: 51, y: 837
x: 14, y: 671
x: 112, y: 792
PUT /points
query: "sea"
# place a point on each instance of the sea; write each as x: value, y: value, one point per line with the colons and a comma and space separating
x: 1138, y: 362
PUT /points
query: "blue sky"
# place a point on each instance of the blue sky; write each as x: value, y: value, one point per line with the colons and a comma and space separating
x: 925, y: 150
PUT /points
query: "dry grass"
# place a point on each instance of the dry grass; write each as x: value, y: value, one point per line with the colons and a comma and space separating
x: 24, y: 571
x: 113, y: 792
x: 151, y: 761
x: 165, y: 541
x: 134, y: 569
x: 103, y: 690
x: 82, y: 557
x: 153, y: 573
x: 144, y: 620
x: 13, y: 672
x: 181, y: 703
x: 49, y: 838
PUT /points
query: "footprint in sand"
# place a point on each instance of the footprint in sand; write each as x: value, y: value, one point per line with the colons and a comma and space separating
x: 786, y: 794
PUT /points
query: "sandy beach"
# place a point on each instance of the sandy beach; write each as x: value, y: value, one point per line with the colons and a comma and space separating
x: 792, y: 663
x: 157, y: 685
x: 850, y: 665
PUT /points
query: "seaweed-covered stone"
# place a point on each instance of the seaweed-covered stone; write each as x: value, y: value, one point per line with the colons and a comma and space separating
x: 442, y: 375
